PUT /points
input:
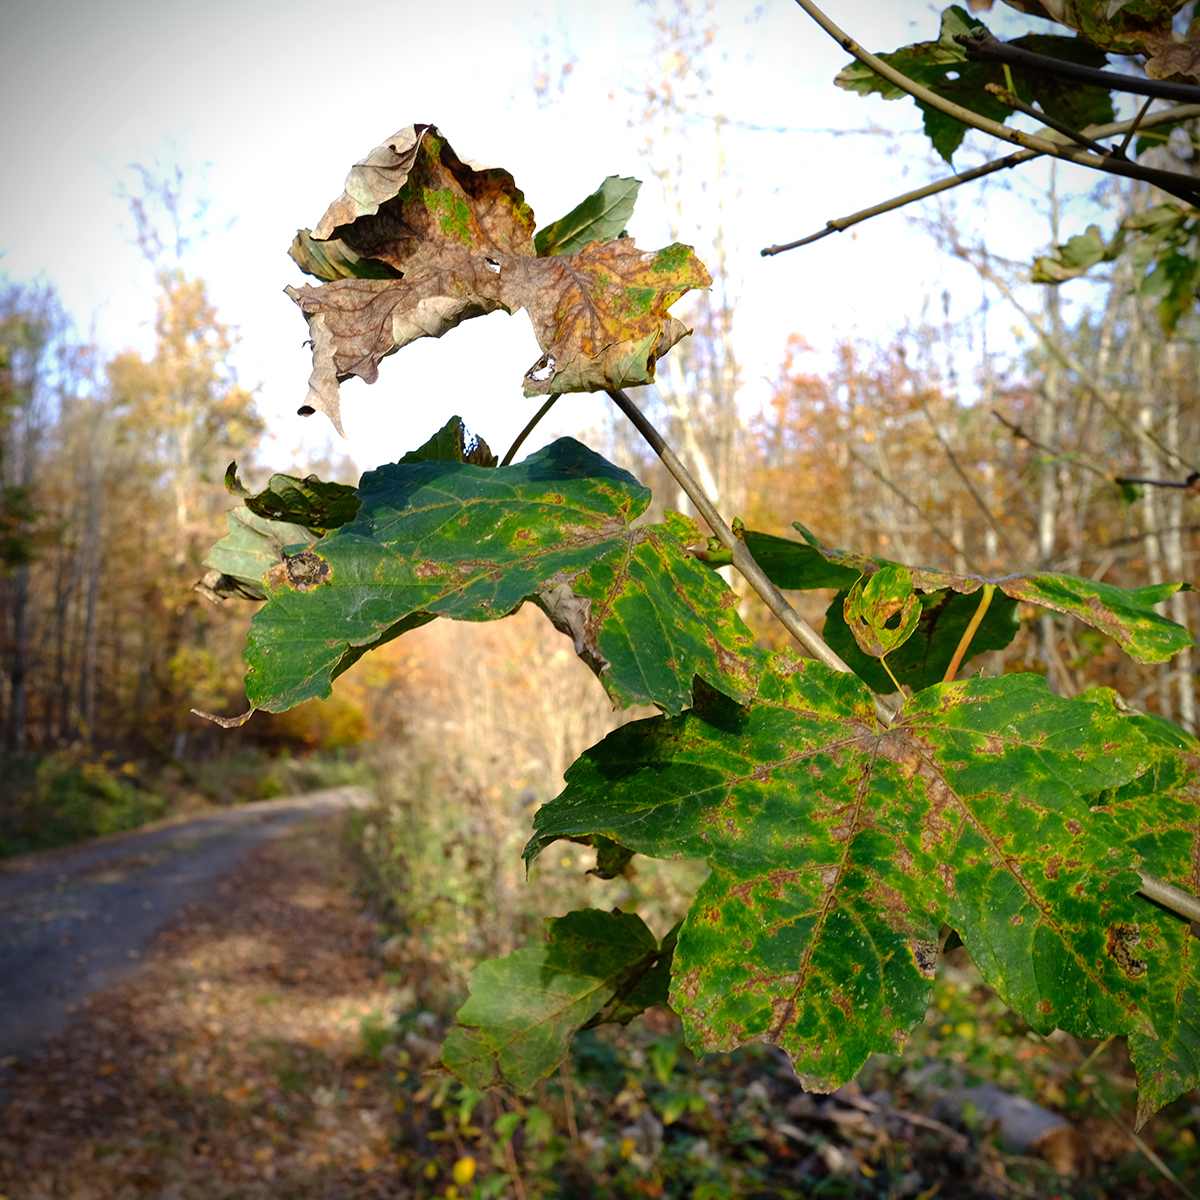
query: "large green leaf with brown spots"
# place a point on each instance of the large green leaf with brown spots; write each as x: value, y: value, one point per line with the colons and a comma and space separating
x: 838, y: 848
x: 473, y: 543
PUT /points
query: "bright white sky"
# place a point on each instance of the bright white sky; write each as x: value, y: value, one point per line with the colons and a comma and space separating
x: 279, y: 99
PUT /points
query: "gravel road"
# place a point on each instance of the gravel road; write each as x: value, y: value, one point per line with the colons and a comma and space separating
x: 77, y: 920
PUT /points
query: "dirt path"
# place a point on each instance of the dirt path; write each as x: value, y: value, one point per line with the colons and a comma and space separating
x: 234, y: 1060
x: 78, y: 920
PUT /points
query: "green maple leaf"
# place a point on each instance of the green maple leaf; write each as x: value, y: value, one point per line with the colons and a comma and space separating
x: 594, y: 967
x: 837, y: 849
x: 450, y: 538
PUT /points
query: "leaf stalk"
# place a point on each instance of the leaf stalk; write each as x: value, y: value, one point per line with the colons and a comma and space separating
x: 743, y: 560
x: 960, y: 652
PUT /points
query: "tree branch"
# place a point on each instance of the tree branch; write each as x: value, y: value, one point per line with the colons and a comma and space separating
x: 743, y: 560
x: 1181, y: 113
x: 930, y: 189
x: 982, y: 46
x: 1015, y: 102
x: 988, y: 515
x: 1169, y: 896
x: 1183, y: 186
x: 1074, y: 456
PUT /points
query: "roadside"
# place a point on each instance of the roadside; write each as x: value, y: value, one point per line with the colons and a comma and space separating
x: 77, y: 920
x: 236, y: 1061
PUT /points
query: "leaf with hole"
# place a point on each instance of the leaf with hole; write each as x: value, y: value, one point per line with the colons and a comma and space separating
x: 459, y: 239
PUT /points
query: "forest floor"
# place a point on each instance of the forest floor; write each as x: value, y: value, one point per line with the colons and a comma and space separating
x: 270, y: 1044
x: 233, y: 1063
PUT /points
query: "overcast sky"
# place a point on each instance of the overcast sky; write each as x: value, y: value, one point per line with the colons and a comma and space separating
x: 270, y: 103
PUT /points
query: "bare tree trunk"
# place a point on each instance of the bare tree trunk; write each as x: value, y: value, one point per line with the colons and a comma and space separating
x: 1047, y: 432
x: 1172, y: 545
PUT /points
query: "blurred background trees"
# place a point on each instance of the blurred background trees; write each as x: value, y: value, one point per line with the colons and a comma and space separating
x: 922, y: 446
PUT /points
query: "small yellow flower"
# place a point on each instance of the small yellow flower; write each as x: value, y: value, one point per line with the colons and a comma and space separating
x: 464, y: 1171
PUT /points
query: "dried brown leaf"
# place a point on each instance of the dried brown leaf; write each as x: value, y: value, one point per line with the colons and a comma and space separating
x: 460, y: 238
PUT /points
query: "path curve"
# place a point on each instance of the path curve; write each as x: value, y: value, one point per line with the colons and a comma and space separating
x: 77, y: 920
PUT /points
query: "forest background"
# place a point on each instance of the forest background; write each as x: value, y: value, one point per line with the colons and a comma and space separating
x: 962, y: 431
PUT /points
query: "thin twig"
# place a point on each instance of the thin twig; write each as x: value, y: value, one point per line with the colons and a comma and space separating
x: 1068, y: 360
x: 1075, y: 457
x: 1181, y: 113
x: 1189, y: 484
x: 1133, y: 128
x: 1015, y: 102
x: 988, y: 515
x: 1183, y: 186
x: 569, y: 1100
x: 956, y: 1139
x: 921, y: 193
x: 981, y: 45
x: 936, y: 530
x: 1119, y: 1122
x: 537, y: 416
x: 743, y: 560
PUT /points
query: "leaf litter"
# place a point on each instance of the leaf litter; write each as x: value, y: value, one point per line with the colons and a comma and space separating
x: 266, y: 1050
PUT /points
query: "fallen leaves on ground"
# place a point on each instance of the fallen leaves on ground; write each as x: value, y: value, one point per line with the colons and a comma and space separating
x: 236, y: 1064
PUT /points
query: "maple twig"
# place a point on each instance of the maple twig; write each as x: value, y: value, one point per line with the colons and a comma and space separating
x: 981, y: 45
x: 1015, y: 102
x: 1077, y: 459
x: 1183, y: 186
x: 1128, y: 128
x: 960, y: 651
x: 743, y: 560
x: 1169, y: 896
x: 932, y: 189
x: 537, y: 416
x: 1134, y: 127
x: 1189, y: 484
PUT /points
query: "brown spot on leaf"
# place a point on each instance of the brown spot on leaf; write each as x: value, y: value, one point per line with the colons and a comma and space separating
x: 1074, y: 826
x: 1052, y: 866
x: 303, y: 571
x: 1122, y: 940
x: 924, y: 957
x: 1044, y: 1006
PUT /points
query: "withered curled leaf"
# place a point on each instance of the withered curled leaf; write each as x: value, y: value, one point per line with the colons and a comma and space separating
x: 457, y: 241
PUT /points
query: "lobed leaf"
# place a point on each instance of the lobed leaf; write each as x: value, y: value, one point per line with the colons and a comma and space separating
x: 253, y: 545
x: 524, y: 1009
x: 1158, y: 817
x: 458, y: 240
x: 944, y: 68
x: 837, y: 849
x: 1143, y: 27
x: 435, y: 538
x: 924, y: 658
x: 333, y: 259
x: 881, y: 610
